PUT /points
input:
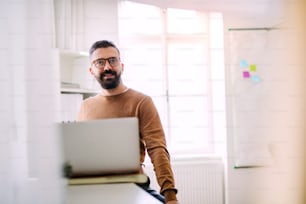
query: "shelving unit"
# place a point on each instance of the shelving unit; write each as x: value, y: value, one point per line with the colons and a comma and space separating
x: 74, y: 74
x: 76, y: 82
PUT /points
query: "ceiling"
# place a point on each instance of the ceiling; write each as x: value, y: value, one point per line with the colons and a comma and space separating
x: 259, y: 9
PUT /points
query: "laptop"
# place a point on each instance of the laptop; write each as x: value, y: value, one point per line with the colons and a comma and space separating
x: 100, y: 147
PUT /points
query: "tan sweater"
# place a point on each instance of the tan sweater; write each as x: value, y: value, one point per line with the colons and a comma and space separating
x: 152, y: 138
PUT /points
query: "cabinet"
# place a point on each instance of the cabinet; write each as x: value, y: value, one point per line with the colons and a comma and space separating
x: 74, y: 73
x: 76, y: 83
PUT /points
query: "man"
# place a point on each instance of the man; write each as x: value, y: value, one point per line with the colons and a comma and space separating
x: 117, y: 100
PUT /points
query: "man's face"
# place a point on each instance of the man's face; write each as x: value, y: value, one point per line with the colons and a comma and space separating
x: 106, y: 67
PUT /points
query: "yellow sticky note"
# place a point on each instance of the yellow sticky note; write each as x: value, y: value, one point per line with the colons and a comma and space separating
x: 252, y: 68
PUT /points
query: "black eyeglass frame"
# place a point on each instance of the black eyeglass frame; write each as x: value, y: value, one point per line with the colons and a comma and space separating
x: 112, y: 61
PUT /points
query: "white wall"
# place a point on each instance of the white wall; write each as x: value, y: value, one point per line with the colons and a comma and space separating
x: 276, y: 112
x: 30, y: 168
x: 80, y: 23
x: 29, y: 162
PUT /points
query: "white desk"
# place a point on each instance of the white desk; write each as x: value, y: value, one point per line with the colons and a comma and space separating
x: 123, y: 193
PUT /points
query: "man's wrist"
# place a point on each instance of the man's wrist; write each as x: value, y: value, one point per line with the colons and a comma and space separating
x: 170, y: 194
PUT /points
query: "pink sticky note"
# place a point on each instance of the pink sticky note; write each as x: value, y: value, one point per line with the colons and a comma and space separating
x: 246, y: 74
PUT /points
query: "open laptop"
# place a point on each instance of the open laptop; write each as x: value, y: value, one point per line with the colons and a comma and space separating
x: 100, y: 147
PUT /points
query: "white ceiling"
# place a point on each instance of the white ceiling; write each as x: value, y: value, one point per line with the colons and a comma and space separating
x: 260, y: 9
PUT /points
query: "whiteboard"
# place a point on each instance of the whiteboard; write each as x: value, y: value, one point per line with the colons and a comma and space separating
x: 252, y: 90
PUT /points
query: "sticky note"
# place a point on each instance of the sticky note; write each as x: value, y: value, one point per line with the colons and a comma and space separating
x: 252, y: 67
x: 256, y: 78
x: 243, y: 64
x: 246, y: 74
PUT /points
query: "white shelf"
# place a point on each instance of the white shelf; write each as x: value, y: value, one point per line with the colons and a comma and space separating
x: 76, y: 83
x: 73, y: 66
x: 74, y: 54
x: 75, y: 90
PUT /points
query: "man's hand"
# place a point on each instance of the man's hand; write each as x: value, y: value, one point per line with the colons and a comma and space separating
x: 172, y: 202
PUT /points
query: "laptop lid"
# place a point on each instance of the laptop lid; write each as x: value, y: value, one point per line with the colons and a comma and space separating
x: 101, y: 147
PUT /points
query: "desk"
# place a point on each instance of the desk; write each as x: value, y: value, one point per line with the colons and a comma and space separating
x: 119, y: 193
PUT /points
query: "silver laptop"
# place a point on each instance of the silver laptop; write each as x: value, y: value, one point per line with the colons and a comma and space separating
x: 100, y: 147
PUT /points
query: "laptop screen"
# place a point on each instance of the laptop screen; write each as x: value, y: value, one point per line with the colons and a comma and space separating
x: 100, y: 147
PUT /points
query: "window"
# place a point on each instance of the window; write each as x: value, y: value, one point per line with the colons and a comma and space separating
x: 171, y: 55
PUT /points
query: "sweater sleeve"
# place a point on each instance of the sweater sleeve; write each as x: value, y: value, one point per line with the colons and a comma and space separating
x: 153, y: 135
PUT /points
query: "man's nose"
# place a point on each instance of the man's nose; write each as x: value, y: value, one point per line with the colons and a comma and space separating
x: 107, y: 66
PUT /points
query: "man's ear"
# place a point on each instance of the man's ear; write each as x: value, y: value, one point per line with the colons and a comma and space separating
x: 91, y: 70
x: 122, y: 67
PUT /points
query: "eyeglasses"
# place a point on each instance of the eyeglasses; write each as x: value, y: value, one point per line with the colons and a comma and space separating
x: 100, y: 63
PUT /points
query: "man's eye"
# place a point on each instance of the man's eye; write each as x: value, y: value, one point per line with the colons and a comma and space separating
x: 112, y: 60
x: 101, y: 62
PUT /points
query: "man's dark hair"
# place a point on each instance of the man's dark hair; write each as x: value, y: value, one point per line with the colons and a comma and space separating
x: 102, y: 44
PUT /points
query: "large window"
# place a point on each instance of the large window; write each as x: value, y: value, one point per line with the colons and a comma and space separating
x: 171, y: 55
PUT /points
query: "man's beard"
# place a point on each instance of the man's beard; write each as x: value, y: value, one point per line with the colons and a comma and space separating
x: 109, y: 83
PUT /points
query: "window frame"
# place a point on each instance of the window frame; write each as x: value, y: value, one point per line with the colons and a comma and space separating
x: 165, y: 38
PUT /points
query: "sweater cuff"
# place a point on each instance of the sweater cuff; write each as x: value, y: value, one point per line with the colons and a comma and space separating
x: 170, y: 194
